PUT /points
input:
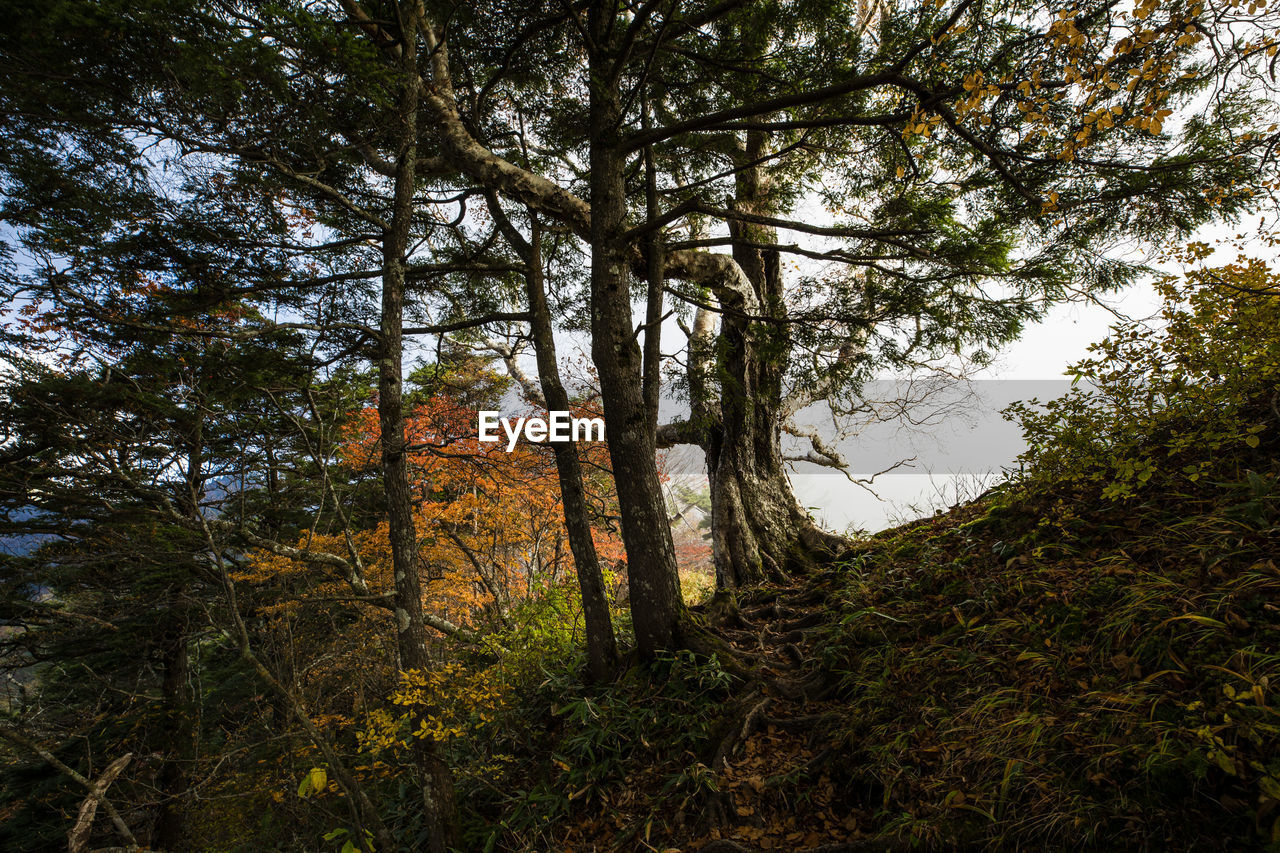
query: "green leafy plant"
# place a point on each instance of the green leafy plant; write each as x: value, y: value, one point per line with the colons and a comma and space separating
x: 1155, y: 407
x: 1088, y: 653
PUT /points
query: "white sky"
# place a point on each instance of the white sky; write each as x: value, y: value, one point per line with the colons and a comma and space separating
x: 1043, y: 352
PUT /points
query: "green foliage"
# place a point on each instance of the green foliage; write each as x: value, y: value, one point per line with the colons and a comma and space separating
x: 1153, y: 413
x: 460, y: 375
x: 1087, y: 656
x: 348, y: 839
x: 485, y: 708
x: 643, y: 733
x: 573, y: 751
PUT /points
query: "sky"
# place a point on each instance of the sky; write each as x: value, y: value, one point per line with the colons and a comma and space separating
x: 1035, y: 363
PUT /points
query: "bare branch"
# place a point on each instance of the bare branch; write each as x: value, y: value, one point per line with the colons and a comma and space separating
x: 28, y: 744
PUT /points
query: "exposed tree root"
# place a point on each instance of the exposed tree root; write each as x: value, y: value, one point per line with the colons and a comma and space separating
x: 768, y: 610
x: 791, y: 653
x: 808, y: 598
x: 774, y: 571
x: 766, y: 638
x: 811, y: 689
x: 722, y: 611
x: 739, y: 733
x: 704, y: 643
x: 808, y: 620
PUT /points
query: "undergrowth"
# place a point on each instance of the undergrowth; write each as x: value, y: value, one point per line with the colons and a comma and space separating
x: 1107, y: 681
x: 613, y: 763
x: 1088, y: 656
x: 1084, y: 658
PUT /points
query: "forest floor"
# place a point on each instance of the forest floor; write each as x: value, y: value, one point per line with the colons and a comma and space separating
x: 1020, y: 673
x: 773, y: 779
x: 778, y: 765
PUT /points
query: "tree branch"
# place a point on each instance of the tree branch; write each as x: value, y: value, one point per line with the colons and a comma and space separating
x: 117, y: 821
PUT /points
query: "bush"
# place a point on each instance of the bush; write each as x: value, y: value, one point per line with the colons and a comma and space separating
x: 1153, y: 409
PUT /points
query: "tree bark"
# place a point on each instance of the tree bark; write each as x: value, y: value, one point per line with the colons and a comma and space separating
x: 758, y: 529
x: 78, y: 838
x: 172, y: 779
x: 602, y: 649
x: 97, y: 794
x: 437, y: 784
x: 657, y: 610
x: 410, y: 628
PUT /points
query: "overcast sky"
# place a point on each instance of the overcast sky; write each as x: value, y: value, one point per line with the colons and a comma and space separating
x: 1043, y: 353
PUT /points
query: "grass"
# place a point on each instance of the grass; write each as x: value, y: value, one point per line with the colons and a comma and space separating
x: 1050, y: 668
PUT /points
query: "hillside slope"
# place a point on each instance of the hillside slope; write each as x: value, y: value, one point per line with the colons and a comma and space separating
x: 1015, y: 678
x: 1084, y: 658
x: 998, y: 677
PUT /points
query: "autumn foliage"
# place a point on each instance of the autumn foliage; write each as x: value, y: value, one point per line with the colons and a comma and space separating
x: 491, y: 522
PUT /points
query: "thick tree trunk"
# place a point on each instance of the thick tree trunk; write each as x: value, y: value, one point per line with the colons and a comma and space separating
x: 758, y: 529
x: 656, y: 607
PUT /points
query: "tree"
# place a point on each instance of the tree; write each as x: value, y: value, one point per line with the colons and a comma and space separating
x: 994, y: 148
x: 550, y: 393
x: 121, y: 470
x: 942, y: 190
x: 494, y: 528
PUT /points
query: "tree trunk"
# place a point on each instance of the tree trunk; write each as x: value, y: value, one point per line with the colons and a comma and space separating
x: 175, y: 699
x: 758, y: 529
x: 410, y: 628
x: 437, y: 784
x: 656, y: 607
x: 602, y: 649
x: 172, y: 779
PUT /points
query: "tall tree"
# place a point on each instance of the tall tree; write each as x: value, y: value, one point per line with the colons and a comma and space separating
x: 602, y: 649
x: 120, y: 469
x: 978, y: 162
x: 950, y: 225
x: 975, y: 160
